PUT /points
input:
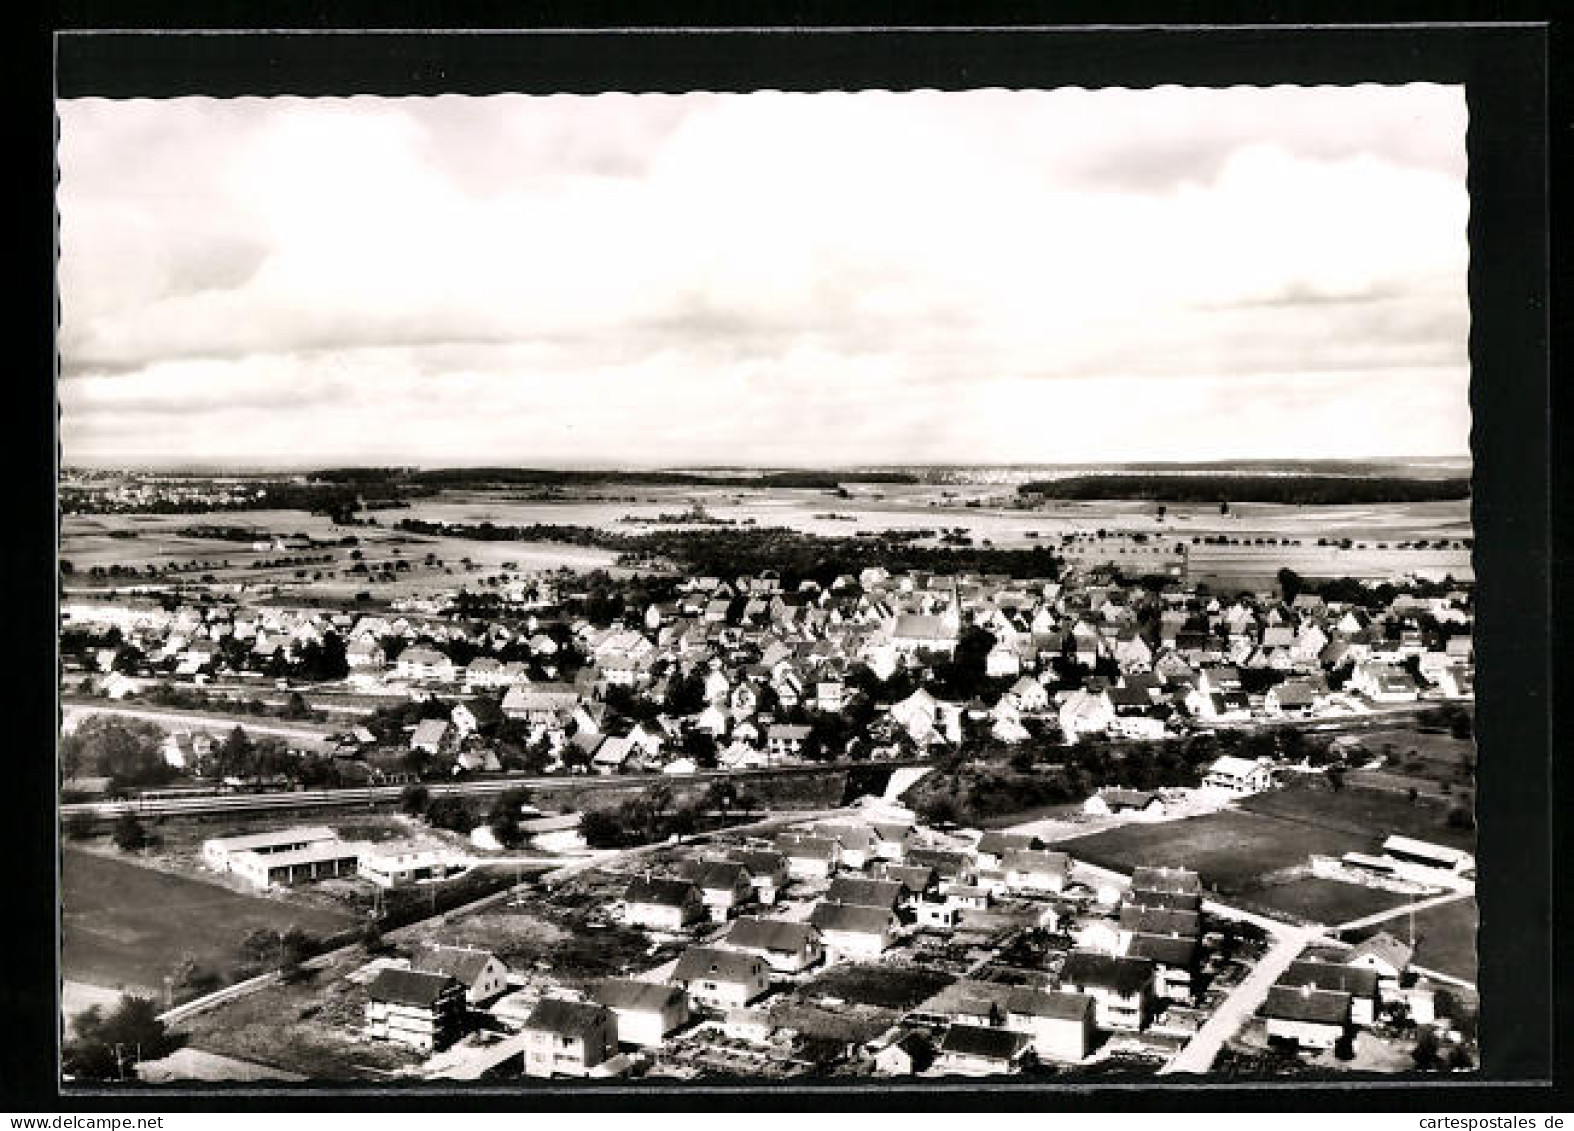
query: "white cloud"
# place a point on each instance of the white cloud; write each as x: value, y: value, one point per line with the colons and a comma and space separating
x: 869, y: 277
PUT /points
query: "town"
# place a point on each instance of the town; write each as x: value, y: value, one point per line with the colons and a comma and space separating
x: 895, y: 821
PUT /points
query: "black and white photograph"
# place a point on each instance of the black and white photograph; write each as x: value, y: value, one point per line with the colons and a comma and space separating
x: 603, y: 589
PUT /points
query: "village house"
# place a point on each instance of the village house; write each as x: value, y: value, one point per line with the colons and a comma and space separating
x: 721, y: 978
x: 480, y: 972
x: 427, y: 664
x: 415, y: 1008
x: 646, y: 1011
x: 1040, y: 873
x: 433, y: 736
x: 783, y: 740
x: 865, y: 893
x: 972, y: 1050
x: 1386, y: 957
x: 788, y: 947
x: 850, y: 931
x: 907, y: 1055
x: 1239, y: 776
x: 992, y: 847
x: 1121, y: 986
x: 768, y: 873
x: 1312, y: 1018
x: 1174, y: 959
x: 659, y: 904
x: 724, y: 885
x: 1060, y: 1024
x: 809, y: 858
x: 1110, y: 800
x: 1360, y: 985
x: 568, y: 1038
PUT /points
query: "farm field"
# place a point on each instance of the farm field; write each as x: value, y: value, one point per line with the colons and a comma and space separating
x: 1362, y: 812
x: 1245, y: 852
x: 1231, y: 849
x: 1446, y: 938
x: 986, y: 513
x: 126, y: 925
x: 1312, y: 899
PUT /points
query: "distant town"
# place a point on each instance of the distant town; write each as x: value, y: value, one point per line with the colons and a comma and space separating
x: 444, y: 797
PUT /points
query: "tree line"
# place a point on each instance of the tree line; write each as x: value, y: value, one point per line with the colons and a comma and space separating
x: 1300, y: 490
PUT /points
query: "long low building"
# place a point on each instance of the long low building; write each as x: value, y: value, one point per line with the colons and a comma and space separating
x: 320, y: 861
x: 220, y: 852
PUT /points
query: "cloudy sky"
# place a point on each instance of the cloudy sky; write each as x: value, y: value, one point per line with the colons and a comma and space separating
x: 786, y: 279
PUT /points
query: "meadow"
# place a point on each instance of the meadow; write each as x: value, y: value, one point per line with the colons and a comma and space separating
x: 126, y: 925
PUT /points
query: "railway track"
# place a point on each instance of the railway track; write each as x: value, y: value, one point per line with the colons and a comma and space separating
x: 371, y: 795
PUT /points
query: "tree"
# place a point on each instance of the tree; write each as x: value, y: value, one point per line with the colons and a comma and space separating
x: 107, y: 1046
x: 503, y: 817
x: 129, y: 835
x: 1290, y: 583
x: 601, y: 830
x: 414, y: 798
x: 235, y: 755
x: 450, y: 813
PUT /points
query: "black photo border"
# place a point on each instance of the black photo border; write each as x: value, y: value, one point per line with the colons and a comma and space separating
x: 1515, y: 100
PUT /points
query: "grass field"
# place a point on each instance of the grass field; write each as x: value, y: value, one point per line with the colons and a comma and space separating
x: 1445, y: 938
x: 1237, y: 851
x: 1363, y: 813
x: 126, y: 925
x: 1230, y: 849
x: 1312, y: 899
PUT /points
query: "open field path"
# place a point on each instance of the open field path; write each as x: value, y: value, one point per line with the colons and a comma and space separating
x: 1407, y: 909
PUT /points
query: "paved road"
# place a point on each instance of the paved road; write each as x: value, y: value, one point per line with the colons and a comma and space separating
x: 1199, y: 1054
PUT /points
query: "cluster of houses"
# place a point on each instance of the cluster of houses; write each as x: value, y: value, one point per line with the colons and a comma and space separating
x: 761, y: 916
x: 1333, y: 989
x: 1083, y: 656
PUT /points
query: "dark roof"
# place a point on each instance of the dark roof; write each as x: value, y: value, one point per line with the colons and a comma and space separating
x: 716, y: 874
x: 1034, y: 862
x: 914, y: 877
x: 946, y: 864
x: 1354, y: 981
x: 1165, y: 879
x: 1058, y: 1004
x: 570, y: 1018
x: 1290, y: 1003
x: 850, y: 917
x: 1124, y: 975
x: 997, y: 843
x: 659, y: 891
x: 459, y: 962
x: 769, y: 934
x: 865, y: 893
x: 633, y: 994
x: 715, y: 963
x: 1164, y: 950
x: 812, y: 847
x: 1159, y: 921
x: 409, y: 987
x: 1167, y: 900
x: 760, y: 861
x: 982, y: 1041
